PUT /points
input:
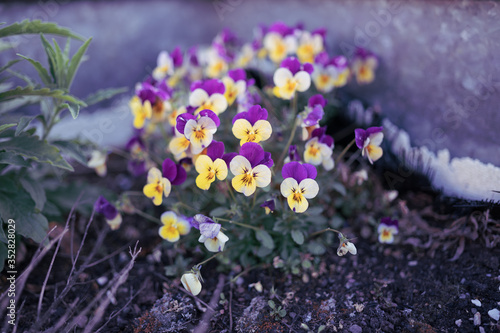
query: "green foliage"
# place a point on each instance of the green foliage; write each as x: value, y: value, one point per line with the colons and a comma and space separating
x: 277, y: 312
x: 37, y: 27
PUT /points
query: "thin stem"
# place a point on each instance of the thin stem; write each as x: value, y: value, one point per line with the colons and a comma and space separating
x: 207, y: 260
x: 323, y: 231
x: 285, y: 151
x: 137, y: 193
x: 344, y: 151
x: 247, y: 270
x: 237, y: 223
x: 230, y: 190
x: 147, y: 216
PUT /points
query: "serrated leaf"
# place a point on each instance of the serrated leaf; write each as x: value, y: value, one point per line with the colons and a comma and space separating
x: 75, y: 62
x: 219, y: 211
x: 42, y: 71
x: 36, y: 27
x: 6, y: 126
x: 22, y: 124
x: 72, y: 149
x: 19, y: 207
x: 23, y: 77
x: 265, y: 239
x: 36, y: 192
x: 316, y: 248
x: 339, y: 188
x: 33, y: 148
x: 31, y: 91
x: 104, y: 94
x: 13, y: 159
x: 10, y: 63
x: 297, y: 236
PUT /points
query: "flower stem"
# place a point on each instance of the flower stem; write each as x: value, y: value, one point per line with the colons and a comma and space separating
x: 207, y: 260
x: 230, y: 190
x: 344, y: 151
x: 285, y: 151
x: 237, y: 223
x: 322, y: 231
x: 147, y: 216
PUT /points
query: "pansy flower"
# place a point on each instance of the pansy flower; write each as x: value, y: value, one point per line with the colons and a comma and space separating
x: 158, y: 96
x: 214, y: 244
x: 251, y: 168
x: 137, y: 164
x: 216, y: 65
x: 319, y: 149
x: 249, y: 98
x: 235, y: 83
x: 291, y: 77
x: 330, y: 73
x: 179, y: 146
x: 211, y: 166
x: 310, y: 44
x: 164, y: 66
x: 209, y: 95
x: 252, y: 125
x: 160, y: 184
x: 111, y: 214
x: 269, y: 206
x: 211, y: 234
x: 299, y: 185
x: 387, y: 229
x: 98, y: 162
x: 364, y: 65
x: 369, y: 141
x: 279, y: 42
x: 141, y: 111
x: 191, y: 281
x: 293, y: 154
x: 173, y: 226
x: 311, y: 116
x: 345, y: 246
x: 199, y: 130
x: 245, y: 56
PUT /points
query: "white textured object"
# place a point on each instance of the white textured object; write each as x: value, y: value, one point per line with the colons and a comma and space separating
x: 494, y: 314
x: 476, y: 302
x: 465, y: 177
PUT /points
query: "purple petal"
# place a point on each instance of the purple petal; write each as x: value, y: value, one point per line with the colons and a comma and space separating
x: 294, y: 170
x: 103, y: 207
x: 215, y: 150
x: 360, y: 135
x: 181, y: 175
x: 320, y: 31
x: 228, y: 36
x: 169, y: 169
x: 136, y: 167
x: 228, y: 157
x: 308, y: 68
x: 327, y: 140
x: 210, y: 114
x: 281, y: 28
x: 213, y: 86
x: 193, y: 56
x: 339, y: 62
x: 195, y: 85
x: 163, y: 91
x: 322, y: 58
x: 389, y: 222
x: 319, y: 132
x: 177, y: 57
x: 267, y: 160
x: 292, y: 64
x: 253, y: 152
x: 314, y: 116
x: 181, y: 121
x: 133, y: 141
x: 293, y: 154
x: 146, y: 92
x: 317, y: 100
x: 311, y: 171
x: 237, y: 74
x: 256, y: 113
x: 373, y: 130
x: 269, y: 204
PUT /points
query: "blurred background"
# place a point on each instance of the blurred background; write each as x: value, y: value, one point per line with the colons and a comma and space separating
x: 438, y: 77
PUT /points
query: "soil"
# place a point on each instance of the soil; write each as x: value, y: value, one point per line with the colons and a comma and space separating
x: 438, y: 280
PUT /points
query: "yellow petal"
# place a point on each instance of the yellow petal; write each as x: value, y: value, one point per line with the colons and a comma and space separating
x: 220, y: 167
x: 297, y: 202
x: 169, y: 233
x: 205, y: 179
x: 374, y: 153
x: 203, y: 164
x: 241, y: 127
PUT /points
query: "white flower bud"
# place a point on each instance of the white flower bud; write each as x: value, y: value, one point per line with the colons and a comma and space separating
x: 191, y: 283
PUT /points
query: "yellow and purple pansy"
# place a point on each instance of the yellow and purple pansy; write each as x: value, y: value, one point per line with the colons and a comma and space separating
x: 111, y: 214
x: 364, y: 65
x: 345, y: 246
x: 211, y: 166
x: 291, y: 77
x: 312, y: 115
x: 173, y: 226
x: 319, y: 149
x: 211, y: 234
x: 299, y: 185
x: 369, y: 141
x: 208, y: 94
x: 310, y: 44
x: 160, y: 183
x: 252, y: 125
x: 199, y: 129
x: 330, y: 73
x: 279, y: 41
x: 251, y: 168
x: 269, y: 206
x: 235, y: 83
x: 387, y: 229
x: 138, y: 156
x: 158, y: 96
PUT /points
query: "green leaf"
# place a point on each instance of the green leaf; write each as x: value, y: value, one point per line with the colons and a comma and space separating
x: 13, y: 159
x: 31, y: 91
x: 60, y: 66
x: 19, y: 207
x: 72, y: 149
x: 219, y: 211
x: 74, y: 109
x: 23, y: 123
x: 51, y: 55
x: 33, y: 148
x: 10, y: 63
x: 6, y: 126
x: 36, y: 27
x: 104, y: 94
x: 316, y: 248
x: 298, y: 237
x: 42, y: 71
x: 339, y: 188
x: 75, y: 62
x: 265, y: 239
x: 271, y: 304
x: 36, y: 192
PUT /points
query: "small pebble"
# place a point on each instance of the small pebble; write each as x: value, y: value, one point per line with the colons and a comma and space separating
x: 412, y: 263
x: 481, y: 329
x: 355, y: 329
x: 476, y: 302
x: 102, y: 280
x: 494, y: 313
x: 458, y: 322
x: 477, y: 319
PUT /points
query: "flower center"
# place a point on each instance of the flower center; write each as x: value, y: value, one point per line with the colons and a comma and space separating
x: 199, y: 133
x: 313, y: 150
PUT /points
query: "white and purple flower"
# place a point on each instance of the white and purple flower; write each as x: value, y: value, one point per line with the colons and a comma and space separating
x: 319, y: 149
x: 199, y: 129
x: 235, y: 83
x: 208, y: 95
x: 387, y: 229
x: 211, y: 235
x: 364, y: 65
x: 369, y: 141
x: 330, y: 73
x: 312, y: 115
x: 111, y: 214
x: 252, y: 125
x: 291, y: 77
x: 299, y: 185
x: 279, y: 41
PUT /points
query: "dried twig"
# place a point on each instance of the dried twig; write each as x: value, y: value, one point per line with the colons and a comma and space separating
x: 204, y: 324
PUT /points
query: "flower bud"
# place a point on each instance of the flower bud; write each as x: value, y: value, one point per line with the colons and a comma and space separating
x: 191, y: 283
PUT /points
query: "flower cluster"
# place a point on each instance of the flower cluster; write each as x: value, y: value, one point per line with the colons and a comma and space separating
x: 209, y: 127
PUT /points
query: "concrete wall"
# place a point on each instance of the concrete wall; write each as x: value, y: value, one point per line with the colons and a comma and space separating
x: 439, y: 76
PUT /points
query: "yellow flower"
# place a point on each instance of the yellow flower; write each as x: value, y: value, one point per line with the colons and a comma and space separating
x: 98, y: 163
x: 247, y: 179
x: 287, y: 83
x: 233, y: 89
x: 309, y: 46
x: 157, y: 186
x: 260, y: 131
x: 173, y: 227
x: 140, y: 111
x: 278, y: 47
x: 208, y: 170
x: 297, y: 194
